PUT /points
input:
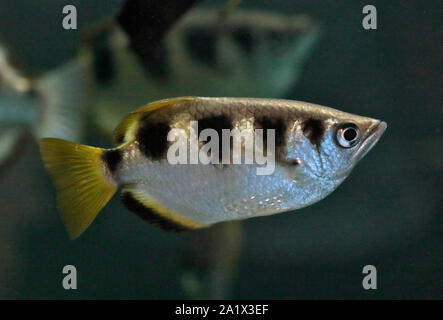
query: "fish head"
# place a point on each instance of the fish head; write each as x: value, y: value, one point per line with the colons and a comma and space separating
x: 328, y: 143
x: 346, y: 143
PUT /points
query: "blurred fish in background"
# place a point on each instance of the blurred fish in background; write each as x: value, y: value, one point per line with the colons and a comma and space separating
x: 52, y: 103
x: 249, y: 53
x: 49, y: 105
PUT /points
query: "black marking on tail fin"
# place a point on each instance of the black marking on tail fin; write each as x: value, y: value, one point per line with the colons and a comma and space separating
x: 149, y: 215
x: 153, y: 138
x: 217, y: 123
x: 314, y: 130
x: 112, y: 158
x: 277, y: 124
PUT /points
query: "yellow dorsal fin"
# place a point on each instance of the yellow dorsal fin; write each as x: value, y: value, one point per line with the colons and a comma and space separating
x: 154, y: 212
x: 127, y: 128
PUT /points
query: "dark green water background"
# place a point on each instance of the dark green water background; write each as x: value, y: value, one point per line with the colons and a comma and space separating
x: 388, y: 213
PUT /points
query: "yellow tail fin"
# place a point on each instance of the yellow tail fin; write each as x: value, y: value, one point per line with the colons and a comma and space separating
x: 83, y: 186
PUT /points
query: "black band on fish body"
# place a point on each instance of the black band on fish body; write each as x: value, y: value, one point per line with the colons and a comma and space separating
x: 314, y: 130
x: 153, y: 138
x: 277, y: 124
x: 148, y: 214
x: 112, y: 158
x: 217, y: 123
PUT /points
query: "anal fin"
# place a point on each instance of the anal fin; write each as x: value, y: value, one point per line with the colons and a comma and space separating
x: 153, y: 212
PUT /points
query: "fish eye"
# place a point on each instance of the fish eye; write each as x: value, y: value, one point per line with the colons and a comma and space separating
x: 348, y: 135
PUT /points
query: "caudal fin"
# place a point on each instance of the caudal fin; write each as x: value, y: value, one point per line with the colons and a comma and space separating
x: 66, y: 92
x: 83, y: 185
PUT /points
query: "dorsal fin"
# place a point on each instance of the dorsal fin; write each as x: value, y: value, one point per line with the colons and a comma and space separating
x: 127, y: 128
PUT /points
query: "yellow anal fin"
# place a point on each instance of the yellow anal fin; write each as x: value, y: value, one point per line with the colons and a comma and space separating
x: 127, y: 128
x: 157, y: 214
x: 83, y: 186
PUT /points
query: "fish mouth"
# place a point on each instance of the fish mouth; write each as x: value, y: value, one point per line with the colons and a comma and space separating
x: 371, y: 138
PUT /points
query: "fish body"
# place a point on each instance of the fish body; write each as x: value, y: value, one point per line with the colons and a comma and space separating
x: 315, y: 149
